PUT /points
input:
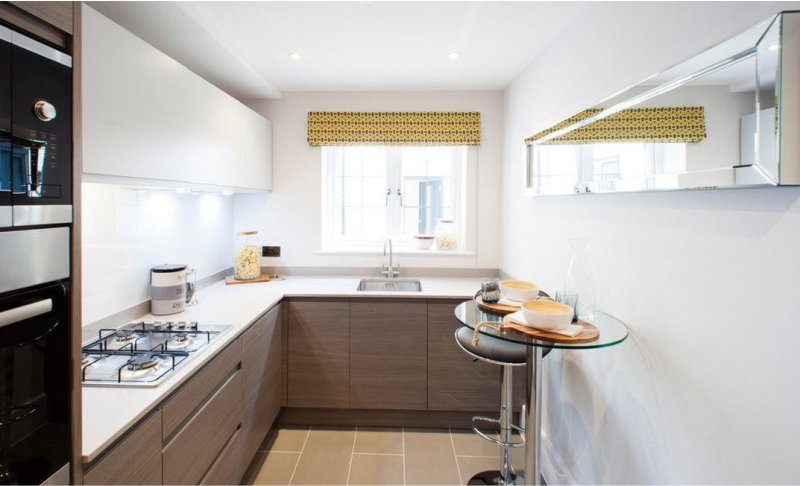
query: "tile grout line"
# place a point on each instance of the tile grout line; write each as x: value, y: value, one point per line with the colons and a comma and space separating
x: 403, y: 436
x: 455, y: 456
x: 375, y: 454
x: 352, y: 454
x: 299, y: 456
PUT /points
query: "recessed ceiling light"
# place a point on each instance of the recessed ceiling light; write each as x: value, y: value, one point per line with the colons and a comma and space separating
x: 454, y: 55
x: 295, y: 56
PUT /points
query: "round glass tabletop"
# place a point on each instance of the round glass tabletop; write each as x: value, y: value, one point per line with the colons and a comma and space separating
x: 612, y: 331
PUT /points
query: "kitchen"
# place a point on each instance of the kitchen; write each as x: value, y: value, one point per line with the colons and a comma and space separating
x: 255, y: 235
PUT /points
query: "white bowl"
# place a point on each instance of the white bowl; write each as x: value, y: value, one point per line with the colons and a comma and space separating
x: 546, y: 314
x: 424, y: 242
x: 519, y: 290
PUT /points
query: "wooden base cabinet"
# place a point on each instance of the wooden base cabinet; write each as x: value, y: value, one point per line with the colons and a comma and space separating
x: 388, y: 354
x: 135, y: 460
x: 455, y: 382
x: 261, y: 373
x: 318, y: 350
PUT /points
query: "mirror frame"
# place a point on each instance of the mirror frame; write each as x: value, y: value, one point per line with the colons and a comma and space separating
x: 787, y: 103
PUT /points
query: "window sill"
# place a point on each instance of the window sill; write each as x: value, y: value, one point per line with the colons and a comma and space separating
x: 399, y: 251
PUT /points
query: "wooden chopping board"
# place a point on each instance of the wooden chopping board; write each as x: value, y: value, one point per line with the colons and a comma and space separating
x: 589, y: 334
x: 498, y: 309
x: 233, y: 281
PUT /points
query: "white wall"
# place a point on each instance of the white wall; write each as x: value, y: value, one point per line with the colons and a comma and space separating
x: 126, y: 231
x: 291, y: 215
x: 706, y: 388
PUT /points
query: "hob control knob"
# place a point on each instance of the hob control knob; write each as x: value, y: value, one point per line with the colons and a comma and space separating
x: 44, y: 111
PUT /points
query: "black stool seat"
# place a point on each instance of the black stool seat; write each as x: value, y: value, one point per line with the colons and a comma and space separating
x: 491, y: 349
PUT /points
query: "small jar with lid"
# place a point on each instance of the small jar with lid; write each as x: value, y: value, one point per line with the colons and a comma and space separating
x: 246, y: 256
x: 446, y: 235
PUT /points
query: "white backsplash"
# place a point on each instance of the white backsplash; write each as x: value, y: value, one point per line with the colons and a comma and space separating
x: 126, y: 231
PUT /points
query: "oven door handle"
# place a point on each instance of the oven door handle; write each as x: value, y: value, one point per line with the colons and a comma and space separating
x: 27, y: 311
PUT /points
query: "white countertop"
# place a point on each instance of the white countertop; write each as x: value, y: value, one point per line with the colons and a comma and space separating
x: 109, y: 411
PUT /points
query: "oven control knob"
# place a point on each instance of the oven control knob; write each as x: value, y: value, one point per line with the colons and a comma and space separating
x: 44, y: 110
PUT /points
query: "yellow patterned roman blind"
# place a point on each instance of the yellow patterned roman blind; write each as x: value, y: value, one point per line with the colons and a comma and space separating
x: 393, y: 128
x: 634, y: 125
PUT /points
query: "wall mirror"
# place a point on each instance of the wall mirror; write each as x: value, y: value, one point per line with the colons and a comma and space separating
x: 712, y: 121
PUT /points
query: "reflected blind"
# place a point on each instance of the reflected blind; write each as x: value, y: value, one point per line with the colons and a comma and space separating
x: 634, y: 125
x: 393, y: 128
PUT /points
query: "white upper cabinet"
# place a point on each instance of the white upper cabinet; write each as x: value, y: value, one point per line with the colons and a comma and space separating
x: 149, y: 120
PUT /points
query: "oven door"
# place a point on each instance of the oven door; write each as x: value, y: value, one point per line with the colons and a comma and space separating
x: 5, y: 128
x: 34, y: 384
x: 41, y: 115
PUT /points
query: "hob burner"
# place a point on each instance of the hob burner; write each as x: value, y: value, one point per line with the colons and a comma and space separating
x: 142, y: 362
x: 124, y: 336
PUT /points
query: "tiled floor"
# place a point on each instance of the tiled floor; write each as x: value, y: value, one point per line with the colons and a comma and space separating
x: 371, y: 455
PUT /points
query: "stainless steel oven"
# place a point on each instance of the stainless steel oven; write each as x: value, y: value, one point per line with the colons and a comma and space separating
x: 35, y: 132
x: 34, y: 355
x: 35, y: 217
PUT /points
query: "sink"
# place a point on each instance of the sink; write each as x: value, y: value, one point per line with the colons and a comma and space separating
x: 389, y: 285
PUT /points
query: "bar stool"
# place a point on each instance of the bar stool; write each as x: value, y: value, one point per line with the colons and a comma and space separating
x: 508, y: 355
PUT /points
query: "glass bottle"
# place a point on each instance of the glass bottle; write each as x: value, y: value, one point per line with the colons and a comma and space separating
x: 579, y: 286
x: 446, y: 235
x: 246, y: 256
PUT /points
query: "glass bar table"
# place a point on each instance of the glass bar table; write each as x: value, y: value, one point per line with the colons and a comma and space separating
x: 612, y: 332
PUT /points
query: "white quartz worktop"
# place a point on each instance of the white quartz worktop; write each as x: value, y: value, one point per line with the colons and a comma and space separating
x: 109, y: 411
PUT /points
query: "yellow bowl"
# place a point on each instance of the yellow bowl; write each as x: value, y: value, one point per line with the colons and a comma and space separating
x: 519, y: 290
x: 546, y: 314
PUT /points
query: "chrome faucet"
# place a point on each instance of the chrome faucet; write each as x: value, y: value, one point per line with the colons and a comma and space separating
x: 390, y: 271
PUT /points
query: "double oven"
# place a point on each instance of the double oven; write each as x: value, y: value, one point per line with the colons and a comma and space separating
x: 35, y: 225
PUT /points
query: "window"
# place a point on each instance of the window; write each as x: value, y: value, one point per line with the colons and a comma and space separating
x: 374, y: 193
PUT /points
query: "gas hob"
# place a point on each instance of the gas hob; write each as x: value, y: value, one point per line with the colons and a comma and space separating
x: 143, y: 354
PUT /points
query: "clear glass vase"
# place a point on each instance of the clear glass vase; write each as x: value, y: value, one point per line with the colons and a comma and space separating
x: 579, y: 284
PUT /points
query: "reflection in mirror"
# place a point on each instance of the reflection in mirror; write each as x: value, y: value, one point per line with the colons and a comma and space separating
x: 707, y: 122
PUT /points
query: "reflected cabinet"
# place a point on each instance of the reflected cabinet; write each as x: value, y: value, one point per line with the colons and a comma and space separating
x: 728, y: 117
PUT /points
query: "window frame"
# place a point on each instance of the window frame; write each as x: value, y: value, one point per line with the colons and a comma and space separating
x: 464, y: 207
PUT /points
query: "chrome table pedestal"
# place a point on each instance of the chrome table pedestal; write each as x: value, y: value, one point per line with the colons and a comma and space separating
x: 612, y: 332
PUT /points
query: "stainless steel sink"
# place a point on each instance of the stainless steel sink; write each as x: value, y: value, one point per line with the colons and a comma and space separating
x: 389, y: 285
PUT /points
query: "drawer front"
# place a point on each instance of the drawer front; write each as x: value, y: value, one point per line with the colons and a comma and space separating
x: 191, y: 453
x: 135, y: 460
x: 229, y: 466
x: 185, y: 402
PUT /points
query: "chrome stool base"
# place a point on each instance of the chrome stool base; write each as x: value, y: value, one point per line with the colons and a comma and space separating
x: 490, y: 477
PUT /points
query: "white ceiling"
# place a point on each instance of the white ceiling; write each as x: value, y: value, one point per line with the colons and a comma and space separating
x: 243, y: 47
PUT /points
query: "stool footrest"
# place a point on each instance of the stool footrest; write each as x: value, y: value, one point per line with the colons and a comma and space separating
x: 499, y: 442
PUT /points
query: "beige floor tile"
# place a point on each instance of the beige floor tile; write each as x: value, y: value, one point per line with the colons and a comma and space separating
x: 376, y: 469
x: 326, y: 456
x: 378, y: 440
x: 286, y: 439
x: 277, y: 468
x: 429, y: 457
x: 469, y: 466
x: 468, y: 443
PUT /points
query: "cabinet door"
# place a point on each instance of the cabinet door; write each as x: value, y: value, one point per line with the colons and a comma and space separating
x: 319, y: 354
x: 261, y: 373
x: 135, y: 460
x: 388, y: 355
x: 455, y: 382
x: 256, y: 166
